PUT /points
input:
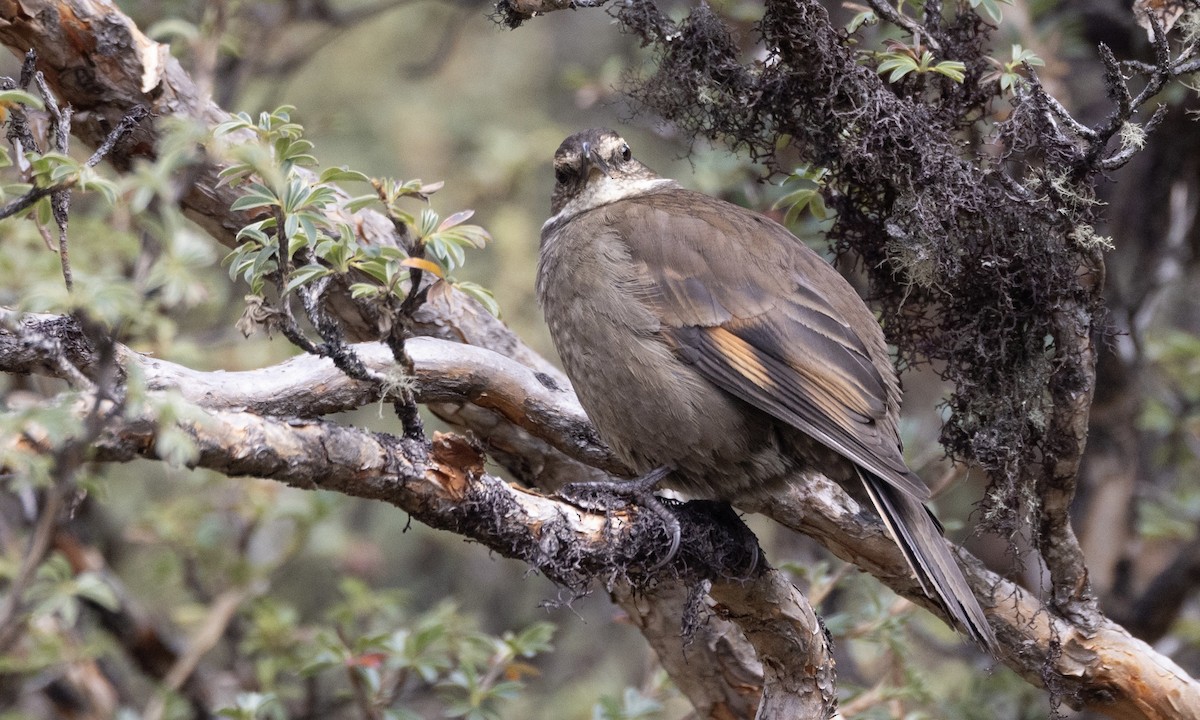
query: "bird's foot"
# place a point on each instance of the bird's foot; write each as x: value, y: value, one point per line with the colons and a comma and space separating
x: 608, y: 497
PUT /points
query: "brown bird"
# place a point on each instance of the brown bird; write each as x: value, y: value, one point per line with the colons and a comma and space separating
x: 709, y: 344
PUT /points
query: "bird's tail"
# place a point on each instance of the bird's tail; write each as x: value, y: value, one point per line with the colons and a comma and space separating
x: 920, y: 539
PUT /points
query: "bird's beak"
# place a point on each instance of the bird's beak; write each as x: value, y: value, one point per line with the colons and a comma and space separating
x: 594, y: 159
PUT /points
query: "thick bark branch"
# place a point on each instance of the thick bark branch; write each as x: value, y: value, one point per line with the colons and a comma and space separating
x: 785, y: 632
x: 446, y: 374
x: 1103, y: 668
x: 315, y: 454
x: 1072, y: 387
x: 448, y: 489
x: 1099, y: 666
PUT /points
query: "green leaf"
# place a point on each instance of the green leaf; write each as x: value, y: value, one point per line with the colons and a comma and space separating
x: 294, y: 152
x: 253, y: 706
x: 304, y: 275
x: 291, y: 231
x: 254, y: 231
x: 1021, y: 55
x: 43, y: 212
x: 90, y: 586
x: 376, y: 267
x: 428, y: 223
x: 358, y: 203
x: 16, y: 96
x: 241, y: 121
x: 449, y: 253
x: 343, y: 174
x: 364, y: 291
x: 991, y: 8
x: 481, y: 294
x: 952, y: 69
x: 533, y: 639
x: 256, y: 196
x: 898, y: 66
x: 472, y: 235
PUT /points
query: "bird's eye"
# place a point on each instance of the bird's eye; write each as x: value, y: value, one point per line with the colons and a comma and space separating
x: 626, y: 153
x: 562, y: 174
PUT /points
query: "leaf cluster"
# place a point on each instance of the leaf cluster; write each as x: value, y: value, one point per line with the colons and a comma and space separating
x: 400, y: 665
x: 900, y: 60
x: 294, y: 244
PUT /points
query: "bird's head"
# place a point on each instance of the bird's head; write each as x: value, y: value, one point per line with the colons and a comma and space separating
x: 596, y: 167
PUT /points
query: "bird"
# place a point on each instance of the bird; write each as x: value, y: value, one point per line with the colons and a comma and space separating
x: 712, y: 348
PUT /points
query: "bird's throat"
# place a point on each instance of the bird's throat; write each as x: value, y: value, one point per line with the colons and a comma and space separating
x: 603, y: 190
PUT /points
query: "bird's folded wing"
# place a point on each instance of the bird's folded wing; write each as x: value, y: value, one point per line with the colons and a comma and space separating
x: 790, y: 395
x: 768, y: 321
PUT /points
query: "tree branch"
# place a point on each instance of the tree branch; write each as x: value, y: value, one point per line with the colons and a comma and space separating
x: 1097, y: 665
x: 447, y: 489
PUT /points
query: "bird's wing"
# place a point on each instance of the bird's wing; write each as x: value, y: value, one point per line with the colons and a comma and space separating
x: 767, y: 320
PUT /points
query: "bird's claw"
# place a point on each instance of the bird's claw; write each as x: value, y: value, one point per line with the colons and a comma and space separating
x: 607, y: 496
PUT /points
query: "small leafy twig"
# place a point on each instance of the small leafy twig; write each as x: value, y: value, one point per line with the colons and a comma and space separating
x: 362, y: 695
x: 19, y: 134
x: 60, y: 200
x: 10, y: 611
x: 133, y: 117
x: 221, y: 613
x: 900, y: 60
x: 67, y: 458
x: 56, y: 190
x: 292, y: 224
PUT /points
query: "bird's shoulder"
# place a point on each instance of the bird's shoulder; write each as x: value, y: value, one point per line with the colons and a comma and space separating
x: 699, y: 222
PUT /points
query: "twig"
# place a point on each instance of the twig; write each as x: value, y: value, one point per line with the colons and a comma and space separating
x: 1121, y: 157
x: 362, y: 697
x: 1061, y: 112
x: 920, y: 34
x: 127, y: 124
x: 1158, y: 75
x: 818, y: 593
x: 132, y: 118
x: 335, y: 346
x: 1162, y: 64
x: 66, y: 461
x: 220, y: 614
x: 28, y: 199
x: 43, y: 533
x: 60, y: 199
x: 514, y: 12
x: 19, y: 133
x: 866, y: 700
